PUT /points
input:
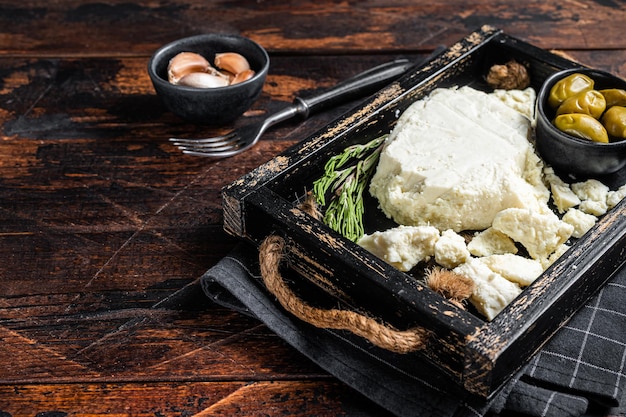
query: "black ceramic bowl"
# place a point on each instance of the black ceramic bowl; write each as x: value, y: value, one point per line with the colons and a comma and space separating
x: 569, y: 154
x: 211, y: 106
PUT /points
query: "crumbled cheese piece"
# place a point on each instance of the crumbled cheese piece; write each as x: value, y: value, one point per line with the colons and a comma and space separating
x: 491, y: 242
x: 562, y: 195
x: 581, y: 221
x: 555, y: 255
x: 521, y: 100
x: 593, y: 195
x: 402, y: 246
x: 593, y: 207
x: 550, y: 175
x: 515, y: 268
x: 450, y: 249
x: 454, y: 160
x: 590, y: 190
x: 539, y: 233
x: 614, y: 197
x: 492, y: 291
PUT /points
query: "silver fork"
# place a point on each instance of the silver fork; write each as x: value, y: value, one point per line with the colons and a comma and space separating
x: 247, y: 136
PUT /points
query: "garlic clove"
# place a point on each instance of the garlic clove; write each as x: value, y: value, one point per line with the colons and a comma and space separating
x: 232, y: 62
x: 242, y: 76
x: 185, y: 63
x: 222, y: 74
x: 203, y: 80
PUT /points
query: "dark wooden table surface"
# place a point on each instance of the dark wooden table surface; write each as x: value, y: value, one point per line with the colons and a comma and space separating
x: 102, y: 221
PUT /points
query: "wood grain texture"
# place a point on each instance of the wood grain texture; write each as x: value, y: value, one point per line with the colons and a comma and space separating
x: 105, y: 227
x: 121, y: 28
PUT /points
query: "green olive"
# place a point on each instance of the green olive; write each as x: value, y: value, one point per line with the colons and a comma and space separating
x: 588, y: 102
x: 614, y: 97
x: 614, y: 121
x: 567, y: 87
x: 582, y: 126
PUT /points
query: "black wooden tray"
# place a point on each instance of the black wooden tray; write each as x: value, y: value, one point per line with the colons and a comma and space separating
x: 477, y: 355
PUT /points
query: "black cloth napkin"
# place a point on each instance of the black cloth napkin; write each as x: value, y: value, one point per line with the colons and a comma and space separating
x: 581, y: 368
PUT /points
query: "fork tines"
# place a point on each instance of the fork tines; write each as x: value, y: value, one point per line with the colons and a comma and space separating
x: 215, y: 146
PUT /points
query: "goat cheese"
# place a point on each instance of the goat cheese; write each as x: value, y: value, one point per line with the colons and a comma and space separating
x: 492, y: 292
x: 539, y: 233
x: 450, y: 249
x: 562, y: 195
x: 581, y: 221
x: 402, y: 246
x: 614, y: 197
x: 593, y: 195
x: 454, y: 160
x: 491, y: 242
x: 515, y: 268
x: 555, y: 255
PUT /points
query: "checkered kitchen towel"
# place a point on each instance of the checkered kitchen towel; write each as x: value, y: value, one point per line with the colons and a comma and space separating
x: 581, y: 369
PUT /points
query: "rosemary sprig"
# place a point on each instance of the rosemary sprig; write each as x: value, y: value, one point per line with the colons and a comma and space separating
x: 345, y: 178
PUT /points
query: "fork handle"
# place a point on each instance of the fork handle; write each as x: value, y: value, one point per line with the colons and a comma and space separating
x: 360, y: 85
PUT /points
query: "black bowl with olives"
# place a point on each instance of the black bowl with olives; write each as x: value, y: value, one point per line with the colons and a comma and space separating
x: 581, y: 122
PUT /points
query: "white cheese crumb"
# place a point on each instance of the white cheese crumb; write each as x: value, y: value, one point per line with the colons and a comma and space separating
x: 581, y: 221
x: 450, y: 249
x: 539, y: 233
x: 402, y: 246
x: 593, y: 195
x: 614, y: 197
x: 593, y: 207
x: 492, y: 291
x: 590, y: 190
x: 555, y: 255
x: 562, y: 195
x: 515, y: 268
x: 491, y: 242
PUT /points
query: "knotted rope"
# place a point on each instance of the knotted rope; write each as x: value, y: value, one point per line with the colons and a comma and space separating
x: 271, y: 254
x: 454, y: 287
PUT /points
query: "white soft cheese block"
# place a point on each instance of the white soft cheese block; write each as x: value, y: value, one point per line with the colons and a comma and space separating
x: 562, y: 195
x: 492, y: 292
x: 515, y: 268
x: 591, y: 190
x: 402, y: 246
x: 593, y: 195
x: 581, y: 221
x: 450, y: 249
x: 454, y: 160
x: 555, y: 255
x: 491, y: 242
x: 615, y: 196
x: 540, y: 233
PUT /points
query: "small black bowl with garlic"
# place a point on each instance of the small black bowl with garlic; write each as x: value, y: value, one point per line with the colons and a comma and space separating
x: 209, y: 79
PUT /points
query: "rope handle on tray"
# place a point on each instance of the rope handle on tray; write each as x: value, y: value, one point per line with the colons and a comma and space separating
x: 271, y: 253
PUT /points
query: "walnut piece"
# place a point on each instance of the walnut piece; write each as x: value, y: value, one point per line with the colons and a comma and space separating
x: 509, y: 76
